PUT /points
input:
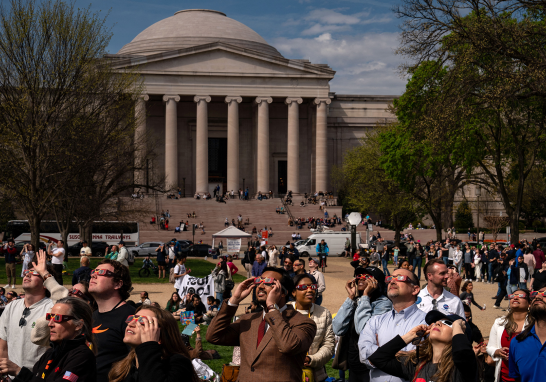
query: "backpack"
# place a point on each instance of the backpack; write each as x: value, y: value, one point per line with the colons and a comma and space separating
x: 171, y: 276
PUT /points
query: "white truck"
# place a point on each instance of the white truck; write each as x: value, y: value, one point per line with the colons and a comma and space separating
x: 335, y: 241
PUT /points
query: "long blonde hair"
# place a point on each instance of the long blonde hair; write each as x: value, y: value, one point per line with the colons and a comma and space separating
x: 445, y: 365
x: 171, y: 343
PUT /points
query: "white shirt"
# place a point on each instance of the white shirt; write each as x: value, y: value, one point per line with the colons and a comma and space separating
x: 57, y: 259
x: 171, y: 253
x: 179, y: 269
x: 446, y: 303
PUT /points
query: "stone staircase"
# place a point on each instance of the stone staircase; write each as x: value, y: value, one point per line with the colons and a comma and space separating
x: 213, y: 214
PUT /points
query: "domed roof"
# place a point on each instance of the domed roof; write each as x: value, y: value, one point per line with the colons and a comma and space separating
x: 193, y: 27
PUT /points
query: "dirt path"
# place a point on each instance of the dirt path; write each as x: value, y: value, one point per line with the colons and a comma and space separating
x: 339, y: 271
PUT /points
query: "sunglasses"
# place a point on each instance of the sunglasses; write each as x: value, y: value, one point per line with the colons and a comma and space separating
x: 58, y: 317
x: 405, y: 279
x: 363, y: 276
x: 133, y: 317
x: 22, y: 321
x: 102, y: 272
x: 77, y: 293
x: 305, y: 287
x: 447, y: 323
x: 264, y: 280
x: 537, y: 294
x: 520, y: 295
x: 33, y: 273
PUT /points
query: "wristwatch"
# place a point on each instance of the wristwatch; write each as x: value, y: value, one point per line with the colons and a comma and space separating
x: 47, y: 275
x: 272, y: 306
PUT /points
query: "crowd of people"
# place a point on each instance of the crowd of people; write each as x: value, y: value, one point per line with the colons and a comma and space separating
x: 391, y: 327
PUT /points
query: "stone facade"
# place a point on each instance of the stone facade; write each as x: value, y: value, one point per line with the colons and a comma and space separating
x: 224, y: 107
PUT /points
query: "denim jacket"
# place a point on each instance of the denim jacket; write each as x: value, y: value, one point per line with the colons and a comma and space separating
x: 363, y: 310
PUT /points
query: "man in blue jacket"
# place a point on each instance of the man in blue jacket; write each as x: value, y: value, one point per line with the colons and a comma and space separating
x: 322, y: 250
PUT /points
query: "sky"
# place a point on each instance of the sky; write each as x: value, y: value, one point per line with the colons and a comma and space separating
x: 356, y: 38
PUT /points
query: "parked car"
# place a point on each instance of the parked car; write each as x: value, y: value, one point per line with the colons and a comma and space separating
x: 97, y: 248
x: 145, y: 249
x: 19, y: 245
x: 197, y: 250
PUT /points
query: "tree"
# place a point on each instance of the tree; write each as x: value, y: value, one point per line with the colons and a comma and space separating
x: 6, y: 213
x: 367, y: 188
x: 56, y: 93
x: 463, y: 217
x: 495, y: 86
x: 427, y: 168
x: 495, y: 224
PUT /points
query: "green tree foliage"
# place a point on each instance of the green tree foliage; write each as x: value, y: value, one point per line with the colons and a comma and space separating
x: 463, y: 217
x: 427, y: 168
x: 367, y: 188
x: 6, y: 213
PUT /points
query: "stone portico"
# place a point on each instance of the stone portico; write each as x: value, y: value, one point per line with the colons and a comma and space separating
x: 224, y: 107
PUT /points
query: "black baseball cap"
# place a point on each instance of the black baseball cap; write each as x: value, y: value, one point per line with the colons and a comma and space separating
x: 121, y: 242
x: 435, y: 316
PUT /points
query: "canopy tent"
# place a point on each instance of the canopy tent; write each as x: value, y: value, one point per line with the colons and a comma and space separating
x: 230, y: 233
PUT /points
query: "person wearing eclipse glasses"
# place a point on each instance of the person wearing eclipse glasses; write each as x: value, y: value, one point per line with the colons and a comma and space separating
x: 402, y: 290
x: 527, y: 351
x: 110, y: 285
x: 367, y: 298
x: 17, y: 321
x: 322, y: 349
x: 157, y: 351
x: 275, y: 342
x: 71, y: 356
x: 443, y: 352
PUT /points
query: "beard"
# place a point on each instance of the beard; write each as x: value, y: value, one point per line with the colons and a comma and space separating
x: 393, y: 293
x: 538, y: 312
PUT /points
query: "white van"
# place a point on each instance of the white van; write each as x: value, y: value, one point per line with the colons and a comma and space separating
x: 335, y: 241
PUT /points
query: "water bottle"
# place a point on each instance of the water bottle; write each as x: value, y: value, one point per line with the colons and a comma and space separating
x: 483, y: 307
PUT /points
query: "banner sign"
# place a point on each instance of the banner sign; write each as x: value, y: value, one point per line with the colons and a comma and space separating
x: 203, y: 287
x: 233, y: 245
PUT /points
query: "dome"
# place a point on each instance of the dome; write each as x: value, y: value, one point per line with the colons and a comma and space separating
x: 193, y: 27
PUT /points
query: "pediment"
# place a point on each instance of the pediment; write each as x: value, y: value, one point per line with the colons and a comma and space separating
x: 222, y: 59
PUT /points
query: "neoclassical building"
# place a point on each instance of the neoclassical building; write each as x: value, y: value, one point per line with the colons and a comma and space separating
x: 225, y: 107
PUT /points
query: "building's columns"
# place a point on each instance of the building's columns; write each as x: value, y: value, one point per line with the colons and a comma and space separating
x: 202, y: 145
x: 171, y: 140
x: 263, y: 144
x: 233, y: 142
x: 321, y: 148
x: 140, y: 140
x: 293, y: 145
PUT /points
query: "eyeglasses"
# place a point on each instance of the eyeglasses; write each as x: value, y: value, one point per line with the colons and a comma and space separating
x: 520, y: 295
x: 298, y: 265
x: 33, y: 273
x: 363, y: 276
x: 402, y: 278
x: 264, y: 280
x: 102, y: 272
x: 287, y: 262
x: 447, y: 323
x: 305, y: 287
x: 22, y: 321
x: 77, y: 293
x: 537, y: 294
x: 134, y: 317
x: 58, y: 317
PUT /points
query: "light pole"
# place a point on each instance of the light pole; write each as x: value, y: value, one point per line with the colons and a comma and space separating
x: 478, y: 192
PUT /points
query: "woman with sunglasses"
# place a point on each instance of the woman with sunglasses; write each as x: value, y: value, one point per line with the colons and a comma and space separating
x: 71, y: 356
x: 505, y: 329
x: 322, y: 348
x: 445, y: 354
x: 367, y: 298
x: 157, y: 351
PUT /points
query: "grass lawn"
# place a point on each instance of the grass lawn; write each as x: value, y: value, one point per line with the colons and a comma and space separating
x: 200, y: 268
x: 226, y: 352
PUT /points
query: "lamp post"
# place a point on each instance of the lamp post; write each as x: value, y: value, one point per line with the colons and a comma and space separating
x: 478, y: 192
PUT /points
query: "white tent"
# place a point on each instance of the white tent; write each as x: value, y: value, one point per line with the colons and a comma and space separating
x: 230, y: 233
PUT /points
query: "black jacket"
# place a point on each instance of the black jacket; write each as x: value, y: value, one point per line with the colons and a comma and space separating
x: 152, y: 368
x: 68, y: 357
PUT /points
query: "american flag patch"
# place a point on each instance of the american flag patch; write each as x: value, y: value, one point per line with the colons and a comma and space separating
x: 70, y: 376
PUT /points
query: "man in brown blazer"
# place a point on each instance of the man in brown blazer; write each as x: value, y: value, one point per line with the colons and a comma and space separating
x: 274, y: 342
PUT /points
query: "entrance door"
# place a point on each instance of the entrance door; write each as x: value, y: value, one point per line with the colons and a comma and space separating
x: 282, y: 173
x: 218, y: 161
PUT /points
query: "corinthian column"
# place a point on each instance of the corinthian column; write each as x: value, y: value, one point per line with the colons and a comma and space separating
x: 171, y: 139
x: 321, y: 151
x: 202, y: 145
x: 233, y: 142
x: 293, y: 144
x: 263, y: 143
x: 140, y: 139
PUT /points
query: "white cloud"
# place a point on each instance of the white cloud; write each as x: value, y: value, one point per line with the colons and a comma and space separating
x: 330, y: 16
x: 319, y: 29
x: 365, y: 63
